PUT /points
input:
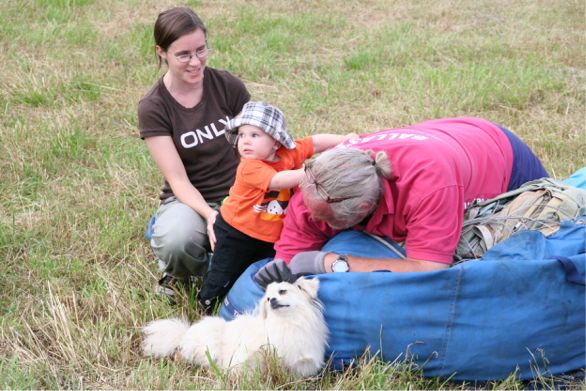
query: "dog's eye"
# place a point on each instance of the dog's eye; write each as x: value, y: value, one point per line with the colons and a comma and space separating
x: 282, y: 292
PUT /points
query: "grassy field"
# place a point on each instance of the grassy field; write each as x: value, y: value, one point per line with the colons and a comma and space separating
x: 77, y: 185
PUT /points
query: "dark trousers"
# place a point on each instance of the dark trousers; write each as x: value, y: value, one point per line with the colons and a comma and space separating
x: 234, y: 252
x: 526, y: 166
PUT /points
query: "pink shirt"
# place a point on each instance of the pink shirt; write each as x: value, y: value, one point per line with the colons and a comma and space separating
x: 438, y: 167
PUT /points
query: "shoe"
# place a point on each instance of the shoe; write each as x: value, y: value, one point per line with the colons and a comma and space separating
x: 208, y: 306
x: 166, y: 287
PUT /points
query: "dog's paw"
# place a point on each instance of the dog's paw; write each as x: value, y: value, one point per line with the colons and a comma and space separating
x: 304, y: 367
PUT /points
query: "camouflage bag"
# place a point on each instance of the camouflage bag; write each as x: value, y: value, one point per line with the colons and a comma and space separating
x: 537, y: 205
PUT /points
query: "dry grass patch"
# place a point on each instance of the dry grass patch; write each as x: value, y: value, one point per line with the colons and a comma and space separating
x: 77, y: 185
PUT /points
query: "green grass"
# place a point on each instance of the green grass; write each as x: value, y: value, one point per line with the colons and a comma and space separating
x: 77, y: 185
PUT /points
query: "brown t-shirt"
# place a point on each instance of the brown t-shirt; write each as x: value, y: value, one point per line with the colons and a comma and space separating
x: 198, y: 132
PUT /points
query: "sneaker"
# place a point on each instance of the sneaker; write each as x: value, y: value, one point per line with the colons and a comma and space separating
x: 208, y: 306
x: 166, y: 287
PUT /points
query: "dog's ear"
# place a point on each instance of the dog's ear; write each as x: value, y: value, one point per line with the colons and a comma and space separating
x: 308, y: 285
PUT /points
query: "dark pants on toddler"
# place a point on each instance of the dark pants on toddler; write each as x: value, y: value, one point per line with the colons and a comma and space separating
x: 234, y: 252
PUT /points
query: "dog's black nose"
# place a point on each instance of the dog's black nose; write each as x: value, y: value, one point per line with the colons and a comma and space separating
x: 274, y: 303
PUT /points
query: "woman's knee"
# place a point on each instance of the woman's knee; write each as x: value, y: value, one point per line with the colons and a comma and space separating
x: 180, y: 240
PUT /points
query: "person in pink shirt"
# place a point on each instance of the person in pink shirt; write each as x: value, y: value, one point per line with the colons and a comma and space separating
x: 410, y: 184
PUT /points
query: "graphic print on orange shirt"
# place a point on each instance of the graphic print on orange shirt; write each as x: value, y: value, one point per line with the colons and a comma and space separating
x: 274, y: 205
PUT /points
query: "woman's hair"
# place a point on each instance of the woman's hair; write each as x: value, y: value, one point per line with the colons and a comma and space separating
x: 353, y: 173
x: 173, y: 24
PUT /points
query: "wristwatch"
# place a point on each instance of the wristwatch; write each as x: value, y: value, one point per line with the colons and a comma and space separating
x: 340, y: 264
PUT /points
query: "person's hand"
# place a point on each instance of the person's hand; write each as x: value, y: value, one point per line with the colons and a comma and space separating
x: 274, y: 271
x: 210, y: 228
x: 308, y: 262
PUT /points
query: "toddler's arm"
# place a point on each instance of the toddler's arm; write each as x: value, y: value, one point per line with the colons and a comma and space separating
x: 321, y: 142
x: 287, y: 179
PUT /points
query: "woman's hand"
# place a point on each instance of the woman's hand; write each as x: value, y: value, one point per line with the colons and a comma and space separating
x: 210, y: 228
x: 307, y: 262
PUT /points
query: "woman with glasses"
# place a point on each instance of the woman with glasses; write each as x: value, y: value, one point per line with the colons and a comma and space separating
x: 182, y: 120
x: 410, y: 185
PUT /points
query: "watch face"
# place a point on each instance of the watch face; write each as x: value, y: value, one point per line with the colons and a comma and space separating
x: 340, y: 266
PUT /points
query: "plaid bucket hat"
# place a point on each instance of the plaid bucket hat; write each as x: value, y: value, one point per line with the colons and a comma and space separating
x: 264, y: 116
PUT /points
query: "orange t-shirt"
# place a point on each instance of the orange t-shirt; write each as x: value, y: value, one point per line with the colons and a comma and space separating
x: 251, y: 207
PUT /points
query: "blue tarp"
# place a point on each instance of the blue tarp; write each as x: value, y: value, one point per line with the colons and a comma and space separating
x: 520, y: 309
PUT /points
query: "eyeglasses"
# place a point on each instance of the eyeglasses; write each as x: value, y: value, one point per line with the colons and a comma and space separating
x: 200, y: 53
x: 321, y: 191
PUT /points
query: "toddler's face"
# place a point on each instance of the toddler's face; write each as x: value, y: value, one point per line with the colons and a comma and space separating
x: 254, y: 143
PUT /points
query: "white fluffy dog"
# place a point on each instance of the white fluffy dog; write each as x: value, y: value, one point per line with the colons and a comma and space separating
x: 288, y: 320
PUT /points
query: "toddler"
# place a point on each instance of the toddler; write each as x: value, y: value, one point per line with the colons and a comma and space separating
x: 250, y: 219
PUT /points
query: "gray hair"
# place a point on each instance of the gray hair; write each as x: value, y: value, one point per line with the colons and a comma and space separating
x: 354, y: 173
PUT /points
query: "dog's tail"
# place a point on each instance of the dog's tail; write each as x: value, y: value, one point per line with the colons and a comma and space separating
x: 162, y: 337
